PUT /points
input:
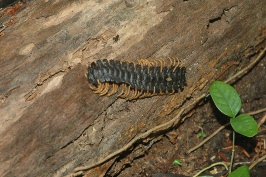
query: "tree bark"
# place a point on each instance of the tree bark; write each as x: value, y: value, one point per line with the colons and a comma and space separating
x: 50, y: 120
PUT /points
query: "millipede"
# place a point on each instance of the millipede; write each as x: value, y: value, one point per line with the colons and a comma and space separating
x: 144, y: 78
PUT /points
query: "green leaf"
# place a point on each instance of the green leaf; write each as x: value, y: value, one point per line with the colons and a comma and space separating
x: 177, y: 162
x: 242, y: 171
x: 202, y: 135
x: 245, y: 125
x: 225, y: 98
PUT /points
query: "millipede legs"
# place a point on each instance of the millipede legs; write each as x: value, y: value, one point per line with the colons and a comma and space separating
x: 126, y: 91
x: 103, y: 88
x: 114, y: 89
x: 160, y: 62
x: 106, y: 89
x: 100, y: 87
x: 178, y: 63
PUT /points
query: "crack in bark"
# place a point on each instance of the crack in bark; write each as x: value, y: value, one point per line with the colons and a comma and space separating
x: 215, y: 19
x: 82, y: 132
x: 86, y: 128
x: 7, y: 94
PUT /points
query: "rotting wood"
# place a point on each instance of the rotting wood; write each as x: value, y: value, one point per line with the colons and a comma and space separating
x: 57, y: 131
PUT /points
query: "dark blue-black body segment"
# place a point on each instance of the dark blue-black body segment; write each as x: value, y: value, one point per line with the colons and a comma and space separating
x: 152, y: 79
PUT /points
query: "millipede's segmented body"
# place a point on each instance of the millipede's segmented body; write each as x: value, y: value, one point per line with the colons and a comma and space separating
x: 144, y: 79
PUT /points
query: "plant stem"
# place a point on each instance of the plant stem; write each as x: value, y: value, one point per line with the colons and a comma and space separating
x: 233, y: 153
x: 257, y: 161
x: 212, y: 165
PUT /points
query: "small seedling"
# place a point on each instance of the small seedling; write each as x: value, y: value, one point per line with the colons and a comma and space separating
x: 227, y: 100
x: 177, y: 162
x: 202, y: 135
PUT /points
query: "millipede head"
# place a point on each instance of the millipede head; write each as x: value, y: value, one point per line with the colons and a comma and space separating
x: 92, y: 74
